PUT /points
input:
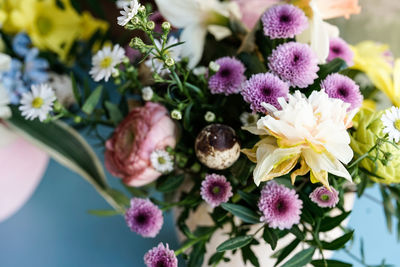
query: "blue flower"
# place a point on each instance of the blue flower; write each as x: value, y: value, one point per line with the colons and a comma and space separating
x: 21, y: 44
x: 35, y: 68
x: 12, y: 81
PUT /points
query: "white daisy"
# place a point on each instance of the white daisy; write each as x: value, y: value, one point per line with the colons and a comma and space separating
x: 157, y: 65
x: 147, y: 93
x: 391, y: 121
x: 5, y: 111
x: 162, y: 161
x: 37, y: 103
x: 105, y: 61
x: 122, y: 3
x: 130, y: 10
x: 248, y: 118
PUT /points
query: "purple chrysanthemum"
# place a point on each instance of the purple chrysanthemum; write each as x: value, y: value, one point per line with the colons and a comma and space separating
x: 295, y: 63
x: 229, y: 78
x: 338, y: 48
x: 160, y: 256
x: 344, y: 88
x: 264, y: 87
x: 144, y: 218
x: 281, y: 206
x: 325, y: 198
x: 215, y: 189
x: 284, y: 21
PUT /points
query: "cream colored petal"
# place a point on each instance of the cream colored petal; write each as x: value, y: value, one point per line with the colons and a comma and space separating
x: 180, y: 13
x: 193, y: 37
x: 219, y: 32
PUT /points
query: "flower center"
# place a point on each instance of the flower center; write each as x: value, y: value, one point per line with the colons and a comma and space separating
x: 251, y: 120
x: 225, y: 73
x: 343, y: 92
x: 37, y: 102
x: 281, y: 206
x: 296, y: 58
x: 285, y: 18
x: 106, y: 62
x: 397, y: 124
x: 266, y: 91
x: 336, y: 50
x: 216, y: 190
x: 141, y: 218
x: 161, y: 264
x: 161, y: 160
x: 44, y: 25
x: 325, y: 197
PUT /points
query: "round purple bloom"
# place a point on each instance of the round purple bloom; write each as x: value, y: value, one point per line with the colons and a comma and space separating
x: 264, y: 87
x: 295, y: 63
x: 144, y: 218
x: 229, y: 78
x: 344, y: 88
x: 160, y: 256
x: 284, y: 21
x: 325, y: 198
x: 338, y: 48
x: 215, y: 189
x: 281, y: 206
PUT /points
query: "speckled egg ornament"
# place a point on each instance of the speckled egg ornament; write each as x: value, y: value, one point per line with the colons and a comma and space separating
x: 217, y: 146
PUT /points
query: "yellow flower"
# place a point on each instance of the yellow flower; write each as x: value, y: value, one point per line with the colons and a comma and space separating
x: 369, y: 128
x: 91, y: 25
x: 372, y: 59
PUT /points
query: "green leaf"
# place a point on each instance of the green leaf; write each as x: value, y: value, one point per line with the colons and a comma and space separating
x: 75, y: 89
x: 282, y: 254
x: 252, y: 63
x: 331, y: 263
x: 270, y: 237
x: 248, y: 255
x: 186, y: 119
x: 169, y: 183
x: 387, y: 207
x: 295, y: 230
x: 114, y: 112
x: 105, y: 213
x: 137, y: 192
x: 247, y: 215
x: 337, y: 243
x: 242, y: 169
x: 196, y: 257
x: 67, y: 147
x: 119, y: 197
x: 251, y: 199
x: 235, y: 243
x: 216, y: 258
x: 301, y: 258
x: 329, y: 223
x: 92, y: 101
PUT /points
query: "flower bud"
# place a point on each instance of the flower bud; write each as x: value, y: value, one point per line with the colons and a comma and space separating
x: 150, y: 25
x: 176, y: 114
x: 136, y: 43
x: 147, y: 93
x: 169, y: 62
x: 209, y: 117
x: 166, y: 26
x: 77, y: 119
x: 214, y: 66
x: 135, y: 21
x: 57, y: 106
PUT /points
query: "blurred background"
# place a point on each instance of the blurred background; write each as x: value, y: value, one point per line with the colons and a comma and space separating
x: 54, y: 229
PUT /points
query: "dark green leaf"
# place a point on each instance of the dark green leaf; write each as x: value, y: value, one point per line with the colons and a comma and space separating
x: 186, y: 119
x: 300, y: 259
x: 337, y: 243
x: 235, y: 243
x: 270, y: 237
x: 248, y: 255
x: 331, y: 263
x: 329, y: 223
x: 137, y: 192
x: 247, y: 215
x: 91, y: 103
x: 197, y: 255
x: 114, y: 112
x: 242, y: 169
x: 252, y: 63
x: 283, y: 253
x: 216, y: 258
x: 119, y: 197
x: 75, y: 89
x: 297, y: 232
x: 104, y: 213
x: 169, y: 183
x: 251, y: 199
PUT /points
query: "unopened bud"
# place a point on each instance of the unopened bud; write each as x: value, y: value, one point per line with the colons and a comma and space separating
x: 136, y: 43
x: 214, y: 66
x: 150, y: 25
x: 166, y: 26
x: 176, y: 114
x: 147, y: 93
x: 209, y: 117
x: 169, y: 62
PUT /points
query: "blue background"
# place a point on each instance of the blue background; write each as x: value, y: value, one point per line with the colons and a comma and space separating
x: 54, y: 229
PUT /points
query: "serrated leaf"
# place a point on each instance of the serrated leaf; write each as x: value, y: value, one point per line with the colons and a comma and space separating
x: 235, y: 243
x: 337, y: 243
x: 330, y: 223
x: 331, y: 263
x: 169, y: 183
x: 92, y: 101
x: 270, y: 237
x: 114, y: 112
x: 104, y: 213
x: 301, y: 258
x: 245, y: 214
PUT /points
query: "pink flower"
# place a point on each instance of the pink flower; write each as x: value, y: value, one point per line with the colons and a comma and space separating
x: 253, y: 9
x: 144, y: 130
x: 338, y: 8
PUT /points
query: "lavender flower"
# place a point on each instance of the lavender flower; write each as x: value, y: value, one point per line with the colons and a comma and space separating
x: 344, y: 88
x: 338, y: 48
x: 160, y: 256
x: 325, y: 198
x: 284, y: 21
x: 215, y: 189
x: 281, y: 206
x: 144, y: 218
x: 229, y: 78
x: 264, y: 87
x: 295, y: 63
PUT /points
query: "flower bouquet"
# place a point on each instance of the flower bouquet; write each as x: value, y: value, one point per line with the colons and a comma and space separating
x: 254, y: 113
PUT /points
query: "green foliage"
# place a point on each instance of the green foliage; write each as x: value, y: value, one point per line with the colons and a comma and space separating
x: 246, y: 214
x: 235, y: 243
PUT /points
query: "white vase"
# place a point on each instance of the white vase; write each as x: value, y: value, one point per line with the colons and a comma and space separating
x: 263, y: 251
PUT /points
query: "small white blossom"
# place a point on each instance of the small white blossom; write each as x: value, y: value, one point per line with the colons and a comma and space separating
x: 162, y: 161
x: 248, y: 118
x: 391, y: 121
x: 200, y: 71
x: 37, y: 103
x: 209, y: 117
x: 122, y: 3
x: 129, y: 11
x: 214, y: 66
x: 5, y: 111
x: 105, y: 61
x: 147, y: 93
x: 176, y: 114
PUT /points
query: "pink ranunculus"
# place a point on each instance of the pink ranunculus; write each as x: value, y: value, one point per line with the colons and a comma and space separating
x: 338, y: 8
x: 253, y: 9
x: 144, y: 130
